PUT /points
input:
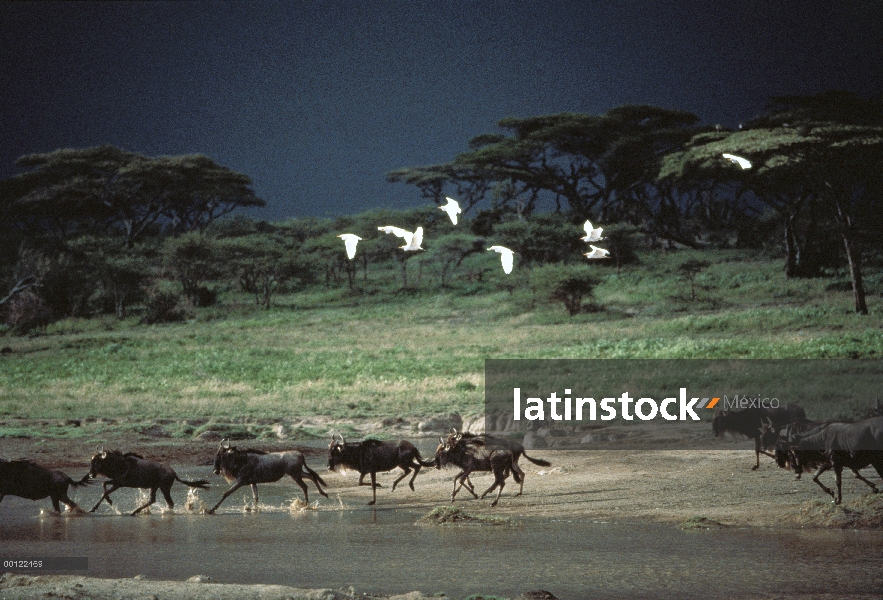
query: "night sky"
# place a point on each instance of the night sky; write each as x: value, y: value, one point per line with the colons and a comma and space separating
x: 317, y: 101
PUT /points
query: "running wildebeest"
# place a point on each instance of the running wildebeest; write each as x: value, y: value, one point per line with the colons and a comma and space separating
x: 251, y: 467
x: 838, y: 445
x: 470, y: 458
x: 494, y: 443
x: 748, y: 422
x: 25, y: 479
x: 774, y: 439
x: 373, y: 456
x: 134, y: 471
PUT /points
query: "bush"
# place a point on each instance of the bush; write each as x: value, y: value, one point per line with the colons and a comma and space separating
x: 568, y: 284
x: 27, y: 312
x: 162, y: 307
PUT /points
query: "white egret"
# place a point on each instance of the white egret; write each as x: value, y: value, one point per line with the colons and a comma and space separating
x: 412, y: 240
x: 506, y: 257
x: 742, y: 162
x: 452, y: 208
x: 596, y: 252
x: 592, y: 234
x: 350, y: 240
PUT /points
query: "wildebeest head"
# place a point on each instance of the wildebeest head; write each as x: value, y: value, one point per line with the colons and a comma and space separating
x: 106, y: 462
x: 717, y: 422
x: 225, y: 459
x: 335, y: 450
x: 769, y: 435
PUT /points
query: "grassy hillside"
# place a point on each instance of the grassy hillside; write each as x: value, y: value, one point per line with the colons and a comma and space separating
x: 376, y: 352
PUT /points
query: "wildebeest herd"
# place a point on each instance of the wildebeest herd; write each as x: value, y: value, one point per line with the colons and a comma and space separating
x: 785, y: 434
x: 801, y: 445
x: 471, y: 452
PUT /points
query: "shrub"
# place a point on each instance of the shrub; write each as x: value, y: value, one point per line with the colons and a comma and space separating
x: 162, y: 307
x: 27, y: 312
x: 568, y: 284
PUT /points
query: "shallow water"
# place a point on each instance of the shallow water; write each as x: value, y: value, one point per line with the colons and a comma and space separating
x: 383, y: 551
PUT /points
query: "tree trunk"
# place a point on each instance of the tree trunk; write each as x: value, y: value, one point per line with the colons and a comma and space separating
x: 854, y: 258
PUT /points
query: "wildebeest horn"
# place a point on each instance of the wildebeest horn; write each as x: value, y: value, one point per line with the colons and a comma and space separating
x: 228, y: 443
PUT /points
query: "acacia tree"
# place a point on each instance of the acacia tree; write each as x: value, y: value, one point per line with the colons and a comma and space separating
x: 91, y: 190
x: 587, y: 164
x: 822, y: 160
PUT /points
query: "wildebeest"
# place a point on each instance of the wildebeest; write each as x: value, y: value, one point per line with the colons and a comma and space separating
x: 134, y: 471
x: 494, y: 443
x: 774, y: 439
x: 470, y: 458
x: 25, y: 479
x: 835, y: 446
x: 749, y: 421
x: 251, y: 467
x: 373, y: 456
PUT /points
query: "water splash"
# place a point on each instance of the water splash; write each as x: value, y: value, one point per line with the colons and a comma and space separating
x: 194, y: 503
x: 298, y: 506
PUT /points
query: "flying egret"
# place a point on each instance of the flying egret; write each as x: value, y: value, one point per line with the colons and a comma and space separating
x: 412, y: 240
x: 742, y: 162
x: 350, y: 239
x: 452, y: 208
x: 597, y: 252
x: 592, y: 234
x: 506, y: 257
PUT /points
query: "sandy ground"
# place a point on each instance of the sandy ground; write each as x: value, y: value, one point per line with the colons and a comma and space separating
x: 708, y: 488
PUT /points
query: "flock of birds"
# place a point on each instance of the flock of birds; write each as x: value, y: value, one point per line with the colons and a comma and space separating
x: 413, y: 239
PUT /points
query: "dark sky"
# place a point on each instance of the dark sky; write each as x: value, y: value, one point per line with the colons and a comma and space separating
x: 317, y: 101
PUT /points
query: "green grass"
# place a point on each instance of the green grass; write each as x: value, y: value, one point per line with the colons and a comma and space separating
x: 379, y: 353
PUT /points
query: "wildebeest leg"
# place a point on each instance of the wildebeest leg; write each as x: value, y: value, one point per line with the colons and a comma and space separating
x: 463, y: 476
x: 152, y: 500
x: 55, y: 505
x: 413, y: 477
x: 499, y: 481
x: 373, y: 487
x: 254, y: 492
x: 106, y: 495
x: 235, y: 487
x: 870, y: 483
x: 314, y: 477
x: 167, y: 494
x: 70, y: 503
x: 757, y: 454
x: 518, y: 474
x: 838, y: 476
x: 821, y: 470
x: 405, y: 474
x: 300, y: 483
x: 362, y: 476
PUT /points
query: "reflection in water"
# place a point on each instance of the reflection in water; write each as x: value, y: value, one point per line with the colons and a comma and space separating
x: 381, y: 550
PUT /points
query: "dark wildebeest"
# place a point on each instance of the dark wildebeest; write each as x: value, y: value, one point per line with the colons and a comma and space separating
x: 748, y: 422
x: 373, y: 456
x: 835, y: 446
x: 470, y: 458
x: 773, y: 439
x: 134, y: 471
x: 251, y: 467
x: 25, y: 479
x: 490, y: 442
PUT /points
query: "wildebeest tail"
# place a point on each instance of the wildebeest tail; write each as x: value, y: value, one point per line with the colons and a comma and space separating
x: 425, y: 463
x: 538, y: 461
x: 84, y: 481
x: 201, y: 484
x: 318, y: 478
